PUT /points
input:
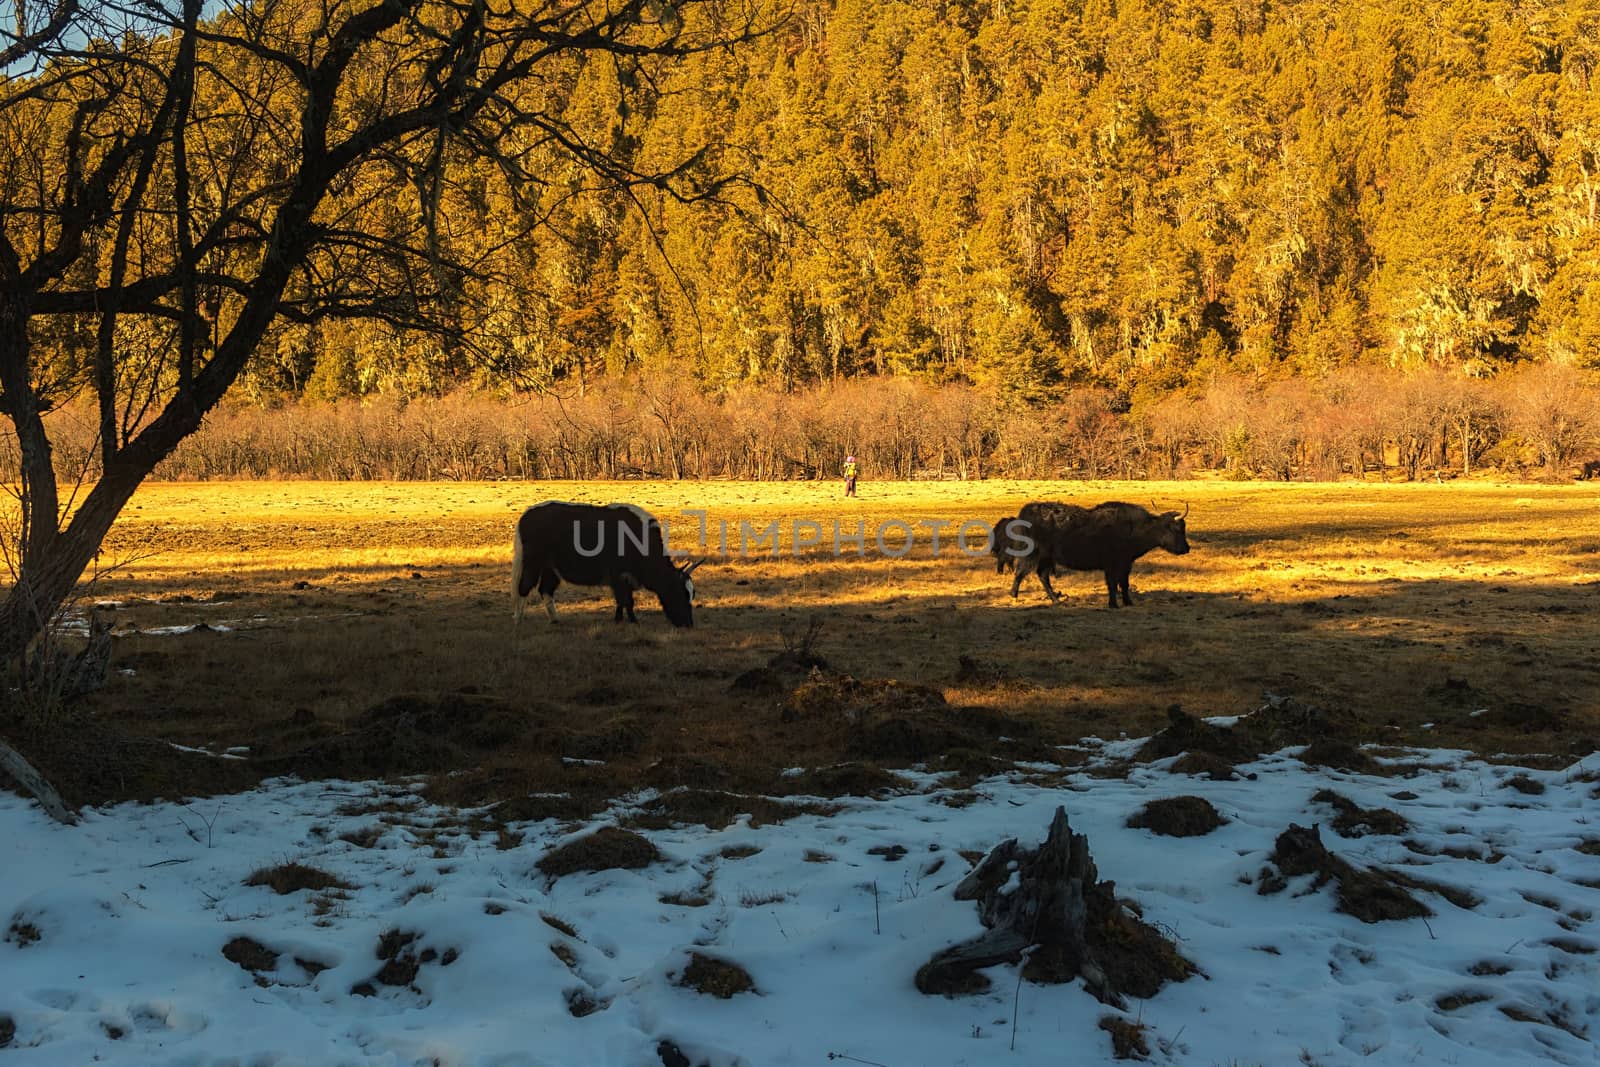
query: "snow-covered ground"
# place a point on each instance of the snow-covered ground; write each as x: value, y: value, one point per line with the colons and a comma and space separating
x: 118, y: 927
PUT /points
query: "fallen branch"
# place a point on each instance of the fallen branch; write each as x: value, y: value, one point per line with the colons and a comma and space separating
x: 23, y: 772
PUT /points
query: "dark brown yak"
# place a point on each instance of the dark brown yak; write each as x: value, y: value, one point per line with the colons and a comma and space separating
x: 1106, y: 538
x: 618, y: 545
x: 1017, y: 541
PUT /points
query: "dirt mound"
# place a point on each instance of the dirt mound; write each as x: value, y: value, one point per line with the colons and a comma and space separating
x: 606, y: 849
x: 763, y: 681
x: 855, y: 701
x: 889, y: 721
x: 1369, y: 895
x: 416, y: 734
x: 973, y: 671
x: 1355, y: 821
x: 687, y: 768
x: 1278, y: 723
x: 1336, y: 755
x: 845, y: 779
x: 1177, y: 817
x: 251, y: 955
x: 1204, y: 764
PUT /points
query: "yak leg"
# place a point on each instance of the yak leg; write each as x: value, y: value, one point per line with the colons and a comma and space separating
x: 1024, y: 567
x: 1113, y: 576
x: 549, y: 581
x: 1127, y: 594
x: 522, y: 583
x: 623, y: 592
x: 1045, y: 570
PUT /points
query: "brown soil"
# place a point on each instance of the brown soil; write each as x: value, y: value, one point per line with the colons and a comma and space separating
x: 251, y: 955
x: 606, y: 849
x: 1459, y: 1000
x: 715, y: 977
x: 401, y: 960
x: 581, y: 1002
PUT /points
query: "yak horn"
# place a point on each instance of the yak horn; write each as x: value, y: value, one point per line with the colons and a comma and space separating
x: 689, y: 568
x: 1185, y: 514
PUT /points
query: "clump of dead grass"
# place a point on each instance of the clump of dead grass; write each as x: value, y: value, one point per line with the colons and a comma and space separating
x: 1127, y: 1037
x: 1278, y: 722
x: 608, y: 848
x: 1186, y: 816
x: 1369, y: 895
x: 365, y: 837
x: 1353, y: 820
x: 715, y: 977
x: 22, y: 933
x: 294, y: 876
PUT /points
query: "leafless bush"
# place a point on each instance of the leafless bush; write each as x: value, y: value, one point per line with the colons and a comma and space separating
x: 1352, y: 423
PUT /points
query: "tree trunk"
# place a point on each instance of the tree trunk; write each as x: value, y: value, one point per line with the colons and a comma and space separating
x: 47, y: 577
x: 12, y: 763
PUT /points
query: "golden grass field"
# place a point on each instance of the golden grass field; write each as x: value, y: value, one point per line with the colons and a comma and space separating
x: 1413, y: 606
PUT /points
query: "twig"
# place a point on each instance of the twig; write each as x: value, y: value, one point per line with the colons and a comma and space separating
x: 1016, y: 994
x: 210, y: 824
x: 877, y: 923
x: 853, y: 1059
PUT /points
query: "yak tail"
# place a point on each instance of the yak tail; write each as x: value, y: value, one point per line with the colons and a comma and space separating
x: 518, y: 601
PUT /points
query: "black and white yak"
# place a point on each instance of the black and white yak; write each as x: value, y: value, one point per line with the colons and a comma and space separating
x: 619, y: 545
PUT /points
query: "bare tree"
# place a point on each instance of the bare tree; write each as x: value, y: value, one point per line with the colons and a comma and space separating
x: 177, y: 186
x: 1551, y: 409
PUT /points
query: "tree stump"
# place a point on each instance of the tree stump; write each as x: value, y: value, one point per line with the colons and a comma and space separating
x: 1046, y: 906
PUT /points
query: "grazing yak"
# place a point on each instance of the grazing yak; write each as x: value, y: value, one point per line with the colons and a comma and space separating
x: 1106, y: 538
x: 588, y: 544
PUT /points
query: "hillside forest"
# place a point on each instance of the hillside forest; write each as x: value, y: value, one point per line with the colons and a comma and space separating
x: 1026, y: 237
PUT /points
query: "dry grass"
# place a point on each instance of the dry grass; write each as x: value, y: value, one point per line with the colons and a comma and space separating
x: 293, y: 876
x: 1413, y: 606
